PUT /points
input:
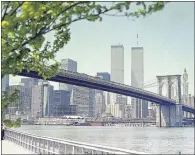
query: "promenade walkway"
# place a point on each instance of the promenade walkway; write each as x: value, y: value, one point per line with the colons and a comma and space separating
x: 11, y: 148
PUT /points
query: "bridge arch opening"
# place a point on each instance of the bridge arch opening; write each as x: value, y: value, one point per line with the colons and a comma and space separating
x: 164, y: 89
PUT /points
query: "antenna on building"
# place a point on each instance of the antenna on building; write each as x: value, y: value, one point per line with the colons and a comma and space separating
x: 137, y: 40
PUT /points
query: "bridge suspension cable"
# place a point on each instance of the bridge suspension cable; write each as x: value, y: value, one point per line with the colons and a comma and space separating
x: 149, y: 81
x: 150, y: 85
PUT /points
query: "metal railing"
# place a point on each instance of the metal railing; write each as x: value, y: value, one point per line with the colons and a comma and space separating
x: 86, y: 77
x: 48, y: 145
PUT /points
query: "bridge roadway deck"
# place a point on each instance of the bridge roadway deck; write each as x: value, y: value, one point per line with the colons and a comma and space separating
x: 85, y: 80
x: 11, y: 148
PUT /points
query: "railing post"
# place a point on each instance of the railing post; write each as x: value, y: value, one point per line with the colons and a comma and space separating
x: 33, y: 144
x: 59, y: 148
x: 73, y: 149
x: 39, y: 141
x: 25, y: 142
x: 22, y: 140
x: 82, y: 150
x: 17, y: 139
x: 53, y: 147
x: 65, y: 147
x: 48, y: 147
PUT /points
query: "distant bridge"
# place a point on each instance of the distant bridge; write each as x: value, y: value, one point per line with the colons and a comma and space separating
x: 85, y: 80
x: 167, y: 106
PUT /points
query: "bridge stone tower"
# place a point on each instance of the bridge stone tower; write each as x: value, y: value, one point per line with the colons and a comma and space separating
x: 170, y: 115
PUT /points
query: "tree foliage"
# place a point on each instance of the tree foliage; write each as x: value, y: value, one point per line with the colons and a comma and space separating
x: 11, y: 123
x: 7, y: 98
x: 24, y: 25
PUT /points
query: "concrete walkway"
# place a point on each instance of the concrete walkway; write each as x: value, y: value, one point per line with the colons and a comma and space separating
x: 11, y: 148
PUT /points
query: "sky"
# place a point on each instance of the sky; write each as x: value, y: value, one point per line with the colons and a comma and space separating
x: 166, y: 36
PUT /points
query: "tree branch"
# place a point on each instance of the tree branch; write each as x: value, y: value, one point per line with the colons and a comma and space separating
x: 66, y: 9
x: 17, y: 8
x: 7, y: 6
x: 41, y: 32
x: 61, y: 25
x: 81, y: 18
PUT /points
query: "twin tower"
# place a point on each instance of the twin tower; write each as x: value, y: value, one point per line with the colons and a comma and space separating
x: 139, y: 107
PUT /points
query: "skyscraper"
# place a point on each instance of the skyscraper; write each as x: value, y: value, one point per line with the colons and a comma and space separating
x: 80, y: 99
x: 117, y: 75
x: 79, y: 96
x: 91, y: 102
x: 105, y: 76
x: 101, y: 97
x: 28, y: 84
x: 70, y: 65
x: 61, y: 103
x: 140, y: 107
x: 117, y: 63
x: 185, y: 87
x: 42, y: 97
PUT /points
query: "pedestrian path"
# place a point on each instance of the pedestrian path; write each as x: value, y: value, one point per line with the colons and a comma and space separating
x: 11, y: 148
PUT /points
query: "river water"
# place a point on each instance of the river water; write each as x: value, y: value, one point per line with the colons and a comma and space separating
x: 145, y: 139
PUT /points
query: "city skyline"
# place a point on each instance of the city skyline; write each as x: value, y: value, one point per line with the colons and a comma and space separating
x: 125, y: 82
x: 164, y: 41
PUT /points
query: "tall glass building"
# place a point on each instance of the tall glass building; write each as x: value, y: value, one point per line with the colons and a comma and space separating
x: 70, y: 65
x: 42, y: 99
x: 79, y: 96
x: 140, y: 107
x: 117, y: 75
x: 117, y: 63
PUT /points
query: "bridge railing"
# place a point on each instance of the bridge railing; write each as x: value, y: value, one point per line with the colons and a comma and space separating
x: 188, y: 106
x: 48, y: 145
x: 86, y: 77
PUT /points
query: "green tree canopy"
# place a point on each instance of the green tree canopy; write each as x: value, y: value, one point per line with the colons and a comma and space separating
x: 7, y: 98
x: 24, y: 25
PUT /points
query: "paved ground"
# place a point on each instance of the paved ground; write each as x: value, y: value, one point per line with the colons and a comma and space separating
x: 11, y: 148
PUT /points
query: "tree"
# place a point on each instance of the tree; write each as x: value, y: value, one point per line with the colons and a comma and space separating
x: 24, y: 25
x: 10, y: 123
x: 8, y: 98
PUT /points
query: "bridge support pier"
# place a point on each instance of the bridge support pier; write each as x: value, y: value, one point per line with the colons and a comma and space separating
x: 169, y: 116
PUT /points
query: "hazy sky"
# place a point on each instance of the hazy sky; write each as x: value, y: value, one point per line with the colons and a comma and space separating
x: 167, y: 37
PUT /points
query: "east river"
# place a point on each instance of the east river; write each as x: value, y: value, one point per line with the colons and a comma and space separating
x: 145, y: 139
